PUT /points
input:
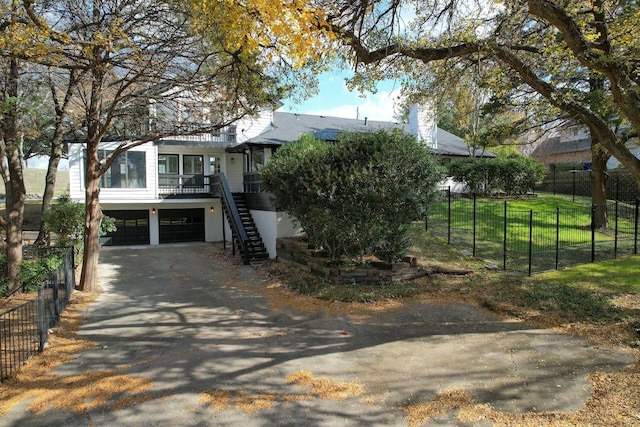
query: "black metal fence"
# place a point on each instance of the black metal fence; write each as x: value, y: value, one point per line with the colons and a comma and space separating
x: 620, y: 184
x: 534, y: 242
x: 24, y: 330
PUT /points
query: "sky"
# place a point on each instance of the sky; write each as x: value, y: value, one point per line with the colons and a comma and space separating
x: 334, y: 99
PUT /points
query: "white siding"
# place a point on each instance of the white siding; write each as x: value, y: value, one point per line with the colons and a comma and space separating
x: 251, y: 127
x: 233, y: 169
x: 76, y: 183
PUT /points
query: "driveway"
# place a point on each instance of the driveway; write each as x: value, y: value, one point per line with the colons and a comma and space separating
x: 205, y: 342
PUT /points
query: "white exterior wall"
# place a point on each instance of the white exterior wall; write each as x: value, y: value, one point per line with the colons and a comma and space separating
x: 287, y: 226
x: 273, y: 225
x: 422, y: 123
x: 233, y: 169
x: 266, y: 223
x: 251, y: 127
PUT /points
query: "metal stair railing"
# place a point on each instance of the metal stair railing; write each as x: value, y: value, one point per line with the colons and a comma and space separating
x: 233, y: 216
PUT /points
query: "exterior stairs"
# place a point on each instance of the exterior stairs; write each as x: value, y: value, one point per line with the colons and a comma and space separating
x: 255, y: 247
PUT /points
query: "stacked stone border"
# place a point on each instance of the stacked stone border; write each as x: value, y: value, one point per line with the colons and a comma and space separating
x: 294, y: 251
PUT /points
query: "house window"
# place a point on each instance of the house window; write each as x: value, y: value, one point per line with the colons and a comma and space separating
x: 214, y: 165
x: 168, y: 164
x: 228, y: 134
x: 127, y: 171
x: 192, y: 165
x: 231, y: 133
x: 257, y: 160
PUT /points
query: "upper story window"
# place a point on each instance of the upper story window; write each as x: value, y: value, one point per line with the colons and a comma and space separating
x: 227, y: 134
x: 168, y: 164
x: 214, y: 165
x: 127, y: 171
x: 192, y: 165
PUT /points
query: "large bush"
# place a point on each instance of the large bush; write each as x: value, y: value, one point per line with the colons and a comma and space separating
x: 66, y: 219
x: 354, y: 196
x: 511, y: 176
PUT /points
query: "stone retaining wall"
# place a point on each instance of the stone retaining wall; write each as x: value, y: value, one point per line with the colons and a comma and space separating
x: 295, y: 252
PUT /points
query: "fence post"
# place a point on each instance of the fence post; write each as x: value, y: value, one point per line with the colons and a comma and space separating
x: 615, y: 234
x: 41, y: 320
x: 530, y: 239
x: 635, y: 230
x: 449, y: 215
x: 56, y: 300
x: 504, y: 244
x: 593, y: 232
x: 474, y: 224
x: 557, y: 236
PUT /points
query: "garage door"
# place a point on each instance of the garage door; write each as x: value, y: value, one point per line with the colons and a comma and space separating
x: 133, y: 227
x: 181, y: 225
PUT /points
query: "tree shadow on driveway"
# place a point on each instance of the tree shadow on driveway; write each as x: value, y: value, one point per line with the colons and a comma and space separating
x: 191, y: 323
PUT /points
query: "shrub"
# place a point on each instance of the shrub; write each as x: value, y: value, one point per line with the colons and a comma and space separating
x: 512, y: 176
x: 66, y: 219
x: 356, y: 195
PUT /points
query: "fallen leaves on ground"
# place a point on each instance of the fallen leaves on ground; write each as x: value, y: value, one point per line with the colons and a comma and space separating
x: 76, y: 393
x: 312, y: 387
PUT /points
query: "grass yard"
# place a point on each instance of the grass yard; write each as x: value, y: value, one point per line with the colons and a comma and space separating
x: 544, y: 225
x: 34, y: 181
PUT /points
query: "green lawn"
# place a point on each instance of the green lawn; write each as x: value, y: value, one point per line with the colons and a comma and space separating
x: 34, y: 181
x: 556, y: 222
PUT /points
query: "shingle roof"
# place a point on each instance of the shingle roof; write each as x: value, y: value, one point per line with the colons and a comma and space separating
x: 288, y: 127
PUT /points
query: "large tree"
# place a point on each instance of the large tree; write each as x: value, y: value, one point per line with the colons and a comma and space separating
x: 535, y: 44
x: 131, y: 52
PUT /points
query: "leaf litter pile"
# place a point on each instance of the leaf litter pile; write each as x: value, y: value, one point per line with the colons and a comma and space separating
x: 45, y: 390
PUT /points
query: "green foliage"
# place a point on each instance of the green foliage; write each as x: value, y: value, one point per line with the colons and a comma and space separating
x: 357, y: 195
x: 511, y: 176
x: 66, y: 219
x: 33, y: 272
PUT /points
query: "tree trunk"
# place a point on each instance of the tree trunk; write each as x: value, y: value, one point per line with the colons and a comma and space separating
x: 49, y: 188
x: 93, y: 217
x: 13, y: 177
x: 56, y: 151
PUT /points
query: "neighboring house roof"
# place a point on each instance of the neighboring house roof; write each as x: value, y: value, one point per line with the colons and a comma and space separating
x: 288, y: 127
x: 555, y: 146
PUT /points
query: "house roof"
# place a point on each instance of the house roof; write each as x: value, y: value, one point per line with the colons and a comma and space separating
x: 288, y: 127
x: 556, y: 146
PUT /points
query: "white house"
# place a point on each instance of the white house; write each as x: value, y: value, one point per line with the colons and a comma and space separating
x: 170, y: 191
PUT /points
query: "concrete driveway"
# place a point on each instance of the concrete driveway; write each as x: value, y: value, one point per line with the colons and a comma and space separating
x: 206, y: 337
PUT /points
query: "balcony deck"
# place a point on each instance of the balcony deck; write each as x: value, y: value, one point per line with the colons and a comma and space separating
x: 187, y: 187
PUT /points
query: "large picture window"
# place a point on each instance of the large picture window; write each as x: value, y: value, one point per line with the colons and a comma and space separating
x: 127, y: 171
